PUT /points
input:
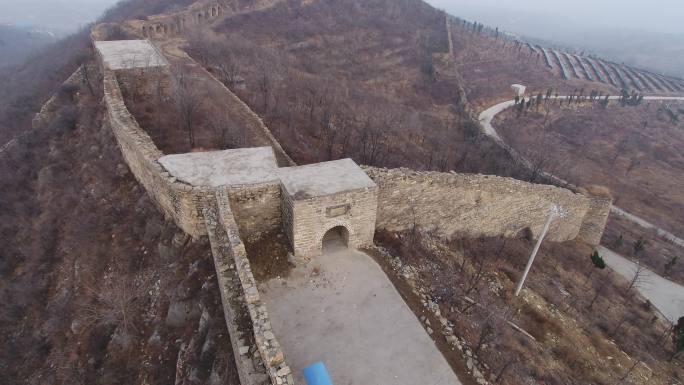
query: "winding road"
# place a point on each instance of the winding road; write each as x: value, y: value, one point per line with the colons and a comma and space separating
x: 665, y: 295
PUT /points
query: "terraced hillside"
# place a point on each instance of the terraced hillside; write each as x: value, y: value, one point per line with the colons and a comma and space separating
x: 490, y: 61
x: 489, y: 64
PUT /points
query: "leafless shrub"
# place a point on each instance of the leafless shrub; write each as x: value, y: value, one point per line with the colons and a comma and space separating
x: 116, y: 303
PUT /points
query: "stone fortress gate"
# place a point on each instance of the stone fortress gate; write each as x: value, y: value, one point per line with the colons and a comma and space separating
x: 243, y: 193
x: 315, y: 198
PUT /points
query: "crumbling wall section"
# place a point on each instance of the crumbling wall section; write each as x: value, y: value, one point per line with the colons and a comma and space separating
x: 480, y: 205
x: 266, y: 342
x: 257, y: 208
x: 198, y: 14
x: 179, y: 201
x: 250, y: 368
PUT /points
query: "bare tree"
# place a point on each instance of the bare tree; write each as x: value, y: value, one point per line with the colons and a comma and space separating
x: 227, y: 67
x: 265, y: 85
x: 328, y: 134
x: 227, y: 134
x: 188, y: 100
x: 602, y: 285
x: 620, y: 149
x: 372, y: 143
x: 633, y: 163
x: 640, y: 278
x: 512, y: 361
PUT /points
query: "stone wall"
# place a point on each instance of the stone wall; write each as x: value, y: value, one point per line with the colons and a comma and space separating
x: 311, y: 218
x: 595, y: 220
x: 266, y: 342
x: 250, y: 367
x: 176, y: 200
x: 478, y: 205
x: 197, y: 14
x: 257, y: 208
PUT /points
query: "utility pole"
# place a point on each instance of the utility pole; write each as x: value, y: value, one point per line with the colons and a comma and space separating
x: 554, y: 212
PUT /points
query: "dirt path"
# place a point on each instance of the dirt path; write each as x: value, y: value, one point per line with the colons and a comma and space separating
x: 343, y: 309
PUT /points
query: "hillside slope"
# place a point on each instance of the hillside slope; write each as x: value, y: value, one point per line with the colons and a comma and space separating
x: 99, y: 288
x: 371, y: 80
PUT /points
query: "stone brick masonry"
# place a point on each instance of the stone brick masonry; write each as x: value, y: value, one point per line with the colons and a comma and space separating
x: 266, y: 342
x: 309, y: 219
x: 480, y: 205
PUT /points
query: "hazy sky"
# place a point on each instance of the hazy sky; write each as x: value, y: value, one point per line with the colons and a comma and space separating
x: 61, y: 15
x: 663, y: 16
x: 523, y: 16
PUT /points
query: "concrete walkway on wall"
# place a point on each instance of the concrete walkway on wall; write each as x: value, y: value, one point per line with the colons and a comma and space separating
x: 343, y: 310
x: 664, y: 294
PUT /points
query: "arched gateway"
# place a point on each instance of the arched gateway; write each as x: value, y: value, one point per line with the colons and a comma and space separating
x: 335, y: 239
x: 318, y: 198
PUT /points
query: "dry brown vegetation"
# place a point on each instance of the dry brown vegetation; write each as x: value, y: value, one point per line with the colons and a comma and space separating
x: 98, y: 288
x: 101, y: 290
x: 658, y: 253
x: 27, y: 86
x: 370, y: 80
x: 587, y: 327
x: 633, y: 150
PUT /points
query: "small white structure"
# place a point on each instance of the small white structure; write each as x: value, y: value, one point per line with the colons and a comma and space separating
x: 518, y: 90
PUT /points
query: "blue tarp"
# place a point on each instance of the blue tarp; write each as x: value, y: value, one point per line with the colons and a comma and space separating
x: 316, y: 374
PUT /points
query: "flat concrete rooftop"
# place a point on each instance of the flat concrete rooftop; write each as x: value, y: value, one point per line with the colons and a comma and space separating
x: 324, y: 178
x: 223, y: 168
x: 128, y: 54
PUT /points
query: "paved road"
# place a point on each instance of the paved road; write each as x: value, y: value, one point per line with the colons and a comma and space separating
x: 665, y: 295
x: 348, y: 314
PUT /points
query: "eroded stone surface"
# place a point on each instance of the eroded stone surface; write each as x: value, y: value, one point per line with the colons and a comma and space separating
x: 326, y: 178
x: 223, y: 168
x: 129, y: 54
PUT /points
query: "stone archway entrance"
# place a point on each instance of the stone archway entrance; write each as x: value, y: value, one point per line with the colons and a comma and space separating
x: 335, y: 239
